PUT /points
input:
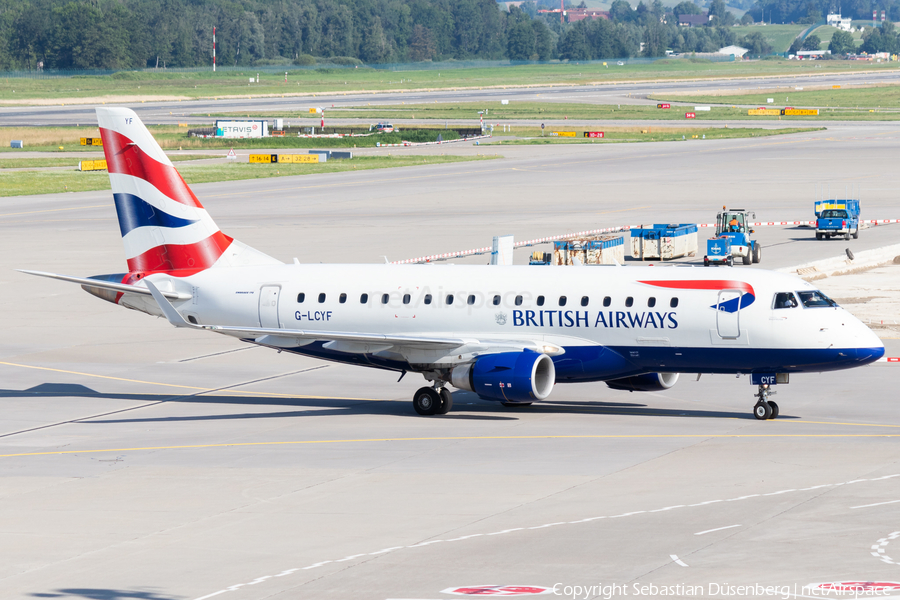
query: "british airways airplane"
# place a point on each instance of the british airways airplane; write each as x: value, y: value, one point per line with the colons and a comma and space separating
x: 507, y: 333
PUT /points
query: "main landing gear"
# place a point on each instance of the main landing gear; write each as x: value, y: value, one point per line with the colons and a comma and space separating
x: 433, y: 400
x: 765, y: 408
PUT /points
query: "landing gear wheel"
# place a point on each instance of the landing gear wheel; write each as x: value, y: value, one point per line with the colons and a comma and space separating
x: 747, y: 259
x: 757, y: 252
x: 515, y: 404
x: 762, y: 411
x: 774, y: 408
x: 426, y: 401
x: 446, y: 401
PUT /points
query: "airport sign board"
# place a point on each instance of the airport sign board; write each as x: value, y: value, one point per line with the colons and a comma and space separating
x: 593, y: 134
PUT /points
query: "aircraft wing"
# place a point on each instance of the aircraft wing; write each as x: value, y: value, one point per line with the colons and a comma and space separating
x: 346, y: 341
x: 107, y: 285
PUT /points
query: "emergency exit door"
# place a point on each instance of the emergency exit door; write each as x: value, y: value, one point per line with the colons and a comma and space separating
x: 268, y: 306
x: 728, y: 314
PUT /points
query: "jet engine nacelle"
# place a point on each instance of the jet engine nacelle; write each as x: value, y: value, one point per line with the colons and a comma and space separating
x: 648, y: 382
x: 509, y: 376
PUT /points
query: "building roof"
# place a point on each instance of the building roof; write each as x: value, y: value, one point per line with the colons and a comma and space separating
x: 736, y: 50
x: 692, y: 20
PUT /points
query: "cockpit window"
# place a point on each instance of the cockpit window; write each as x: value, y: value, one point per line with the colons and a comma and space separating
x: 785, y: 300
x: 815, y: 299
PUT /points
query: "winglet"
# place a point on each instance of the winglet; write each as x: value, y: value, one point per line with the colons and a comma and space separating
x: 166, y: 307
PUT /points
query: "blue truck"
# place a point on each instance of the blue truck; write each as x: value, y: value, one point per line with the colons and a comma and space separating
x: 732, y: 239
x: 837, y: 218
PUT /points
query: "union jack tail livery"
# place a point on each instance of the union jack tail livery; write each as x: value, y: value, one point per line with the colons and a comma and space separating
x: 164, y: 227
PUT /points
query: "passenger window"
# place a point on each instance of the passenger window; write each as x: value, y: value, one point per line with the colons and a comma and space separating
x: 301, y: 297
x: 343, y: 298
x: 405, y: 298
x: 785, y: 300
x: 363, y: 298
x: 540, y: 300
x: 651, y: 302
x: 585, y: 300
x: 518, y: 300
x: 321, y: 298
x: 449, y: 298
x: 471, y: 299
x: 496, y: 300
x: 385, y: 298
x: 629, y: 301
x: 607, y: 301
x: 427, y: 298
x: 562, y: 300
x: 673, y: 303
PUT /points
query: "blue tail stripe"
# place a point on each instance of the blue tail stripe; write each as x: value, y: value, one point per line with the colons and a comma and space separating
x: 134, y: 212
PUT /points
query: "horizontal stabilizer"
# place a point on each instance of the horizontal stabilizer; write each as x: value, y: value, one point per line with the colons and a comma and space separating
x: 107, y: 285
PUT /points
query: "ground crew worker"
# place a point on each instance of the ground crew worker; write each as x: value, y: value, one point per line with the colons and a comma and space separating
x: 733, y: 224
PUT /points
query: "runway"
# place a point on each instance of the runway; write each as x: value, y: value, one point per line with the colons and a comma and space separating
x: 191, y: 111
x: 143, y: 462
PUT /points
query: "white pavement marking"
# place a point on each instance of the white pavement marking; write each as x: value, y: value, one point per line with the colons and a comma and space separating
x: 878, y: 549
x: 876, y: 504
x: 677, y: 560
x: 587, y: 520
x: 716, y: 529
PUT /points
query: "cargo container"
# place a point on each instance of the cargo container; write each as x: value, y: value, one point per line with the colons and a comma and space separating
x: 664, y: 242
x: 592, y: 250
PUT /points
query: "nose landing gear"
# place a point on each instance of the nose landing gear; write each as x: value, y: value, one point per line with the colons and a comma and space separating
x: 765, y: 408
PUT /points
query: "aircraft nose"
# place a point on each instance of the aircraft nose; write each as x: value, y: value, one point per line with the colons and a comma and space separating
x: 869, y: 347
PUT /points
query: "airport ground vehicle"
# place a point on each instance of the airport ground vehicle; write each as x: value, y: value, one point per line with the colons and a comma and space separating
x: 506, y: 333
x: 718, y: 251
x: 837, y: 218
x: 733, y: 224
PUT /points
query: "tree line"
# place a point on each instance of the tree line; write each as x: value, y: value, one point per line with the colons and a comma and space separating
x: 136, y: 34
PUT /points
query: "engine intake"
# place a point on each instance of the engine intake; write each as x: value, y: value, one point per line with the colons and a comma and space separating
x: 508, y: 376
x: 648, y: 382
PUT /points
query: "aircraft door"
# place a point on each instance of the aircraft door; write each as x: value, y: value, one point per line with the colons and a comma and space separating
x: 268, y: 306
x: 728, y: 323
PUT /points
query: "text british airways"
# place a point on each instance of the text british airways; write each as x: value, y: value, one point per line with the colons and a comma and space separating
x: 583, y: 318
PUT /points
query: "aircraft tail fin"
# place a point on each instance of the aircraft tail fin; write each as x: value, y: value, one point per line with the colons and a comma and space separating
x: 164, y: 227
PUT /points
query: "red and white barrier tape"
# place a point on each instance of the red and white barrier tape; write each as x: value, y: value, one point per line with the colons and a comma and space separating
x: 568, y: 236
x: 890, y: 359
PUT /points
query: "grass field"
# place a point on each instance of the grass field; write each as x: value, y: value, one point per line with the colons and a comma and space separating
x: 779, y: 36
x: 53, y: 161
x: 18, y: 183
x: 556, y: 111
x: 147, y: 85
x: 863, y: 98
x: 826, y: 32
x: 612, y: 135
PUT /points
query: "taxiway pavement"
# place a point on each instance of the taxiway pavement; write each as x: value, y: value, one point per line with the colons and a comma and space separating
x: 138, y: 461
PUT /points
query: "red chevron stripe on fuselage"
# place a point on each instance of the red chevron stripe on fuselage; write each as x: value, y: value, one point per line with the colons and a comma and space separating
x: 712, y: 284
x: 124, y: 157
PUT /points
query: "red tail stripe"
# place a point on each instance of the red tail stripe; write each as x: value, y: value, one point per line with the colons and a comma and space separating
x: 713, y: 284
x: 124, y: 157
x: 188, y: 257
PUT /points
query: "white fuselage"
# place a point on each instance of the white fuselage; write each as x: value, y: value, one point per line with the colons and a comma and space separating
x: 659, y: 319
